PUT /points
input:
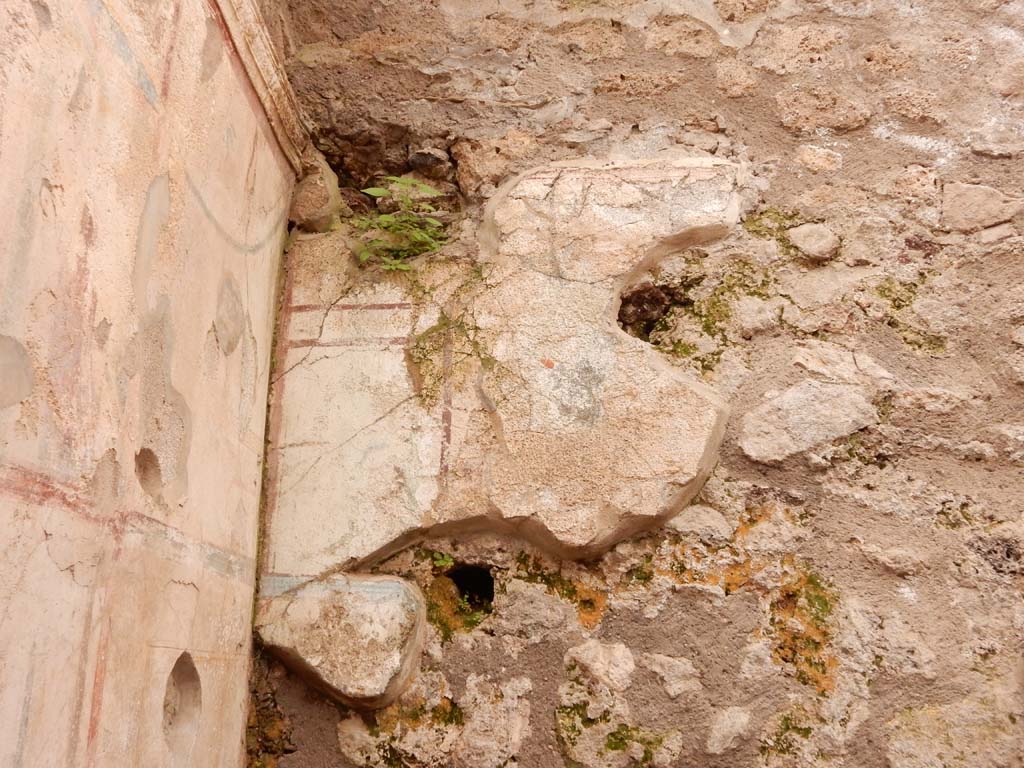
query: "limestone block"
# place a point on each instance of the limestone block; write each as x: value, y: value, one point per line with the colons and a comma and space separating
x: 815, y: 241
x: 806, y: 415
x: 727, y: 728
x: 677, y: 674
x: 597, y: 436
x: 969, y: 207
x: 611, y: 664
x: 357, y: 638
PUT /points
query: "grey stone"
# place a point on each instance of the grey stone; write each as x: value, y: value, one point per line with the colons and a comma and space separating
x: 611, y: 664
x: 806, y: 415
x: 727, y: 728
x: 356, y: 638
x: 970, y: 207
x: 815, y: 241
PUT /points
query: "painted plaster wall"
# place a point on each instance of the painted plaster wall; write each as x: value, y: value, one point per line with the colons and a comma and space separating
x: 143, y: 204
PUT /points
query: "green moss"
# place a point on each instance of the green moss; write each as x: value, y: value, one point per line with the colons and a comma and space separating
x: 449, y: 612
x: 642, y: 573
x: 916, y: 338
x: 800, y: 619
x: 858, y: 449
x: 772, y: 224
x: 533, y: 571
x: 682, y: 349
x: 783, y: 741
x: 572, y: 719
x: 899, y: 293
x: 620, y: 739
x: 431, y: 364
x: 818, y: 598
x: 447, y: 713
x: 714, y: 310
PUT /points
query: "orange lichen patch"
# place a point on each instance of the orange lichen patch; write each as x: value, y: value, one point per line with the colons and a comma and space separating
x: 799, y: 608
x: 736, y: 576
x: 448, y: 611
x: 761, y: 513
x: 729, y: 568
x: 590, y: 605
x: 801, y: 630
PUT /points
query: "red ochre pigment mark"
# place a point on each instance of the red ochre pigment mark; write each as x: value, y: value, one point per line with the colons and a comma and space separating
x: 98, y: 679
x: 39, y: 489
x: 547, y: 363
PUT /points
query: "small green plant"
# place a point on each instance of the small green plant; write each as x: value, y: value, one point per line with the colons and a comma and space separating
x: 442, y: 561
x: 395, y: 237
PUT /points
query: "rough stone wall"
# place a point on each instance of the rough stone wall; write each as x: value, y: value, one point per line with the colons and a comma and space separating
x: 846, y: 589
x: 143, y: 202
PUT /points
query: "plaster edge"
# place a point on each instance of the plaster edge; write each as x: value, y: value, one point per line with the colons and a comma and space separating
x: 248, y: 33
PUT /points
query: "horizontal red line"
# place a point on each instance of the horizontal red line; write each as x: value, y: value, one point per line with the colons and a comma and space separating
x: 39, y: 489
x: 369, y: 341
x: 343, y: 307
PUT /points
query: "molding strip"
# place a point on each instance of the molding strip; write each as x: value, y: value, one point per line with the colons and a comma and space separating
x: 248, y: 32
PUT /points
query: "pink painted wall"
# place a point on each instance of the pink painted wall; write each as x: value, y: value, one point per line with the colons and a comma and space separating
x: 143, y: 197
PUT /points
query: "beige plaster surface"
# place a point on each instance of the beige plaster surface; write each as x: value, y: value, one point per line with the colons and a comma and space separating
x: 143, y: 201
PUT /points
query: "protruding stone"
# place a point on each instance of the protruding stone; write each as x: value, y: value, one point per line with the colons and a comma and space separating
x: 609, y: 663
x: 806, y: 415
x: 969, y: 207
x: 317, y: 200
x: 431, y: 162
x: 728, y: 726
x: 704, y: 521
x: 598, y: 436
x: 834, y: 363
x: 818, y: 159
x: 815, y: 241
x: 357, y: 638
x: 678, y: 675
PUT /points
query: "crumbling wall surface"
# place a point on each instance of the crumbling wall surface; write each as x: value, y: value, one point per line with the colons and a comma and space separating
x: 845, y: 590
x: 143, y: 198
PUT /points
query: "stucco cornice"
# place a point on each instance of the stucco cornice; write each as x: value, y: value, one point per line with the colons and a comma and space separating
x: 248, y: 32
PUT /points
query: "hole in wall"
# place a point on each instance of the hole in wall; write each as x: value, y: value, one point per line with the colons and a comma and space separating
x: 183, y: 705
x: 475, y: 584
x: 641, y: 309
x: 147, y: 470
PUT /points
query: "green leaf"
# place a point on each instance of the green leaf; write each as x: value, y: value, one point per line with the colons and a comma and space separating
x: 375, y: 191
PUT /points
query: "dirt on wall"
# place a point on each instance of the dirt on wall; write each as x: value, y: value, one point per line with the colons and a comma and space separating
x: 846, y: 590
